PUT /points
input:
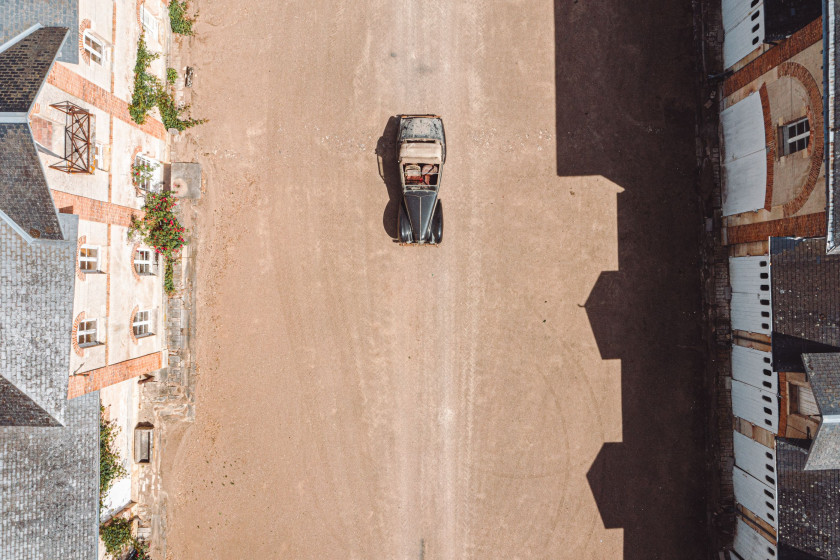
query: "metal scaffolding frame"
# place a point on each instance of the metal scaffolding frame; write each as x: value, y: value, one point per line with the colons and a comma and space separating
x: 79, y: 137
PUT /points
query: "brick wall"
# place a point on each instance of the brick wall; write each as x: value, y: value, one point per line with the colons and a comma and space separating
x: 95, y: 210
x: 809, y: 225
x: 785, y: 50
x: 70, y: 82
x: 815, y: 117
x: 96, y: 379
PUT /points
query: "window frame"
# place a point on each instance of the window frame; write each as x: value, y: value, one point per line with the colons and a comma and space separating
x: 789, y: 143
x: 142, y: 328
x: 149, y: 263
x: 98, y: 154
x: 147, y: 18
x: 87, y: 258
x: 97, y: 57
x: 87, y: 331
x: 156, y: 180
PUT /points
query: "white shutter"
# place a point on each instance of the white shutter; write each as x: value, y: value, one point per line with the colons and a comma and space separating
x: 755, y: 459
x: 753, y: 367
x: 750, y: 308
x: 755, y: 496
x: 755, y: 406
x: 745, y: 156
x: 743, y: 28
x: 752, y: 546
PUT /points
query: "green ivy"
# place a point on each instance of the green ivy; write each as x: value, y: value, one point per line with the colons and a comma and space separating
x: 110, y: 465
x: 171, y: 115
x: 116, y: 536
x: 171, y: 75
x: 150, y: 92
x: 179, y: 21
x: 146, y: 86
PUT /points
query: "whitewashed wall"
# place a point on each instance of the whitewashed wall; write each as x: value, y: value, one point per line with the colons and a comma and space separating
x: 755, y: 496
x: 756, y: 406
x: 745, y: 156
x: 750, y: 545
x: 753, y: 367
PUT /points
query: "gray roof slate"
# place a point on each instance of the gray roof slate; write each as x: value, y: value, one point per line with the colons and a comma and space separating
x: 24, y: 67
x: 824, y: 375
x: 808, y: 504
x: 37, y: 281
x: 49, y: 487
x: 805, y: 286
x: 24, y: 193
x: 20, y: 15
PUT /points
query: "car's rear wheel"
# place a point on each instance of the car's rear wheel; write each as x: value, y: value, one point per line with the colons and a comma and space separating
x: 404, y: 226
x: 437, y: 224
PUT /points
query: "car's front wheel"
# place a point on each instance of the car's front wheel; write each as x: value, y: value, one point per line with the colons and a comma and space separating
x: 404, y: 226
x: 437, y: 224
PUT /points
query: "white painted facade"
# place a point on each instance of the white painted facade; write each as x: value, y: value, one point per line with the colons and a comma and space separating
x: 750, y: 545
x: 755, y: 459
x: 755, y: 496
x: 753, y: 367
x: 744, y: 156
x: 743, y: 27
x: 755, y: 406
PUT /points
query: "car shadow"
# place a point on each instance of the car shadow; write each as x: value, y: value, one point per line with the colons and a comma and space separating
x: 389, y: 172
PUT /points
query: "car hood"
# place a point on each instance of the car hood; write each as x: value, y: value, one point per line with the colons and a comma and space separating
x: 420, y: 205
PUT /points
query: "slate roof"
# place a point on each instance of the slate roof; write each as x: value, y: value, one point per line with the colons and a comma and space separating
x: 824, y: 376
x: 49, y: 487
x: 808, y: 505
x: 20, y: 15
x: 24, y: 194
x: 24, y: 66
x: 805, y: 285
x: 782, y: 18
x: 37, y: 281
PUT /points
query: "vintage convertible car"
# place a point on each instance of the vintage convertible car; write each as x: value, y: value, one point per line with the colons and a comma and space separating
x: 421, y: 153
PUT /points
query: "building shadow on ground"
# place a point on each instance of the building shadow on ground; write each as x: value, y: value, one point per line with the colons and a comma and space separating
x: 626, y: 101
x: 390, y: 173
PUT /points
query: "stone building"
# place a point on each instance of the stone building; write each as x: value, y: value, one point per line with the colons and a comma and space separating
x: 778, y: 186
x: 49, y: 446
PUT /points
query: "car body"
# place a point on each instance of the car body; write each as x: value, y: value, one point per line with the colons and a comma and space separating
x: 421, y: 153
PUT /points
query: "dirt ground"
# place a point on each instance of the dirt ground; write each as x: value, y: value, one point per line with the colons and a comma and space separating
x: 531, y: 388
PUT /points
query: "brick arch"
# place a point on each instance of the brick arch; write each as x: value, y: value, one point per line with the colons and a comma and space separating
x: 79, y: 274
x: 131, y: 323
x: 76, y: 348
x: 139, y: 15
x: 801, y: 74
x: 770, y: 140
x: 84, y: 26
x: 131, y: 261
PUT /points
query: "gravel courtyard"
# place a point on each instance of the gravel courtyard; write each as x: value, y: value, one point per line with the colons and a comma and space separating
x: 530, y: 389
